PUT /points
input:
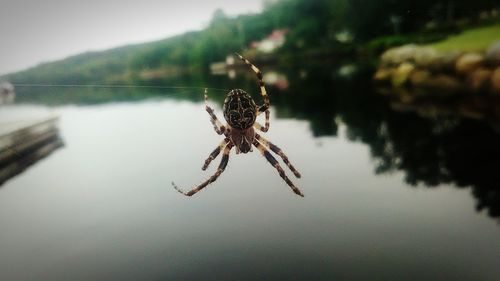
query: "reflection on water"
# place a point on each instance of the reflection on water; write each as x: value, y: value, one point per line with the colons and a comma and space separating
x: 103, y: 207
x: 22, y: 161
x: 25, y: 139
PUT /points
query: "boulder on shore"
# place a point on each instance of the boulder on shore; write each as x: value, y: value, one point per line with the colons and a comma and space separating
x: 413, y: 66
x: 402, y: 73
x: 493, y: 53
x: 445, y: 82
x: 383, y: 75
x: 479, y: 80
x: 420, y: 78
x: 468, y: 62
x: 495, y: 81
x: 396, y: 56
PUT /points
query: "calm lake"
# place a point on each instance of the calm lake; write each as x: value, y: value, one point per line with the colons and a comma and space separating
x: 389, y: 194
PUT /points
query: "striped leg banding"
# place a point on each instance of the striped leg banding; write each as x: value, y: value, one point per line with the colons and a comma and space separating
x: 277, y: 166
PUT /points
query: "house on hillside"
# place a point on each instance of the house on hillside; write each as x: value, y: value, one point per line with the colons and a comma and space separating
x: 273, y: 41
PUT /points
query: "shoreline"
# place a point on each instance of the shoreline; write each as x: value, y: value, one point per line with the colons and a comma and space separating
x: 429, y: 71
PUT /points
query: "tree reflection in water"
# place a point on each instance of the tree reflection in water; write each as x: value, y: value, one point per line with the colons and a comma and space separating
x: 429, y: 150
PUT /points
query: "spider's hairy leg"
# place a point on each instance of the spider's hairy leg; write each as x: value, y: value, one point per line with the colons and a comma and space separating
x: 261, y: 84
x: 215, y: 153
x: 258, y: 126
x: 276, y: 165
x: 219, y: 128
x: 220, y: 169
x: 264, y: 128
x: 278, y: 151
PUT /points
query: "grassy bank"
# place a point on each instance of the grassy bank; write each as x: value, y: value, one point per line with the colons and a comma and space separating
x: 476, y: 39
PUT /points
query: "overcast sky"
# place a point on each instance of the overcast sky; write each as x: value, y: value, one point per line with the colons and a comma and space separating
x: 35, y: 31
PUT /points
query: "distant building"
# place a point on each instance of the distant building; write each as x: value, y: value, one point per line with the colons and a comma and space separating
x: 277, y: 79
x: 6, y: 92
x: 267, y: 45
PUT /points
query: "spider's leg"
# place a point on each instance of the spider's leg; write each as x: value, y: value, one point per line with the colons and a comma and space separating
x: 219, y: 128
x: 220, y: 169
x: 215, y: 153
x: 261, y: 84
x: 278, y: 151
x: 264, y: 128
x: 276, y: 165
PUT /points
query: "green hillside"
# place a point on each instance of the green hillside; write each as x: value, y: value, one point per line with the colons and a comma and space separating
x: 192, y: 51
x: 315, y: 28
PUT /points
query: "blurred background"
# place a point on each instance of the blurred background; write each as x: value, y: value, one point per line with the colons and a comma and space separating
x: 389, y: 109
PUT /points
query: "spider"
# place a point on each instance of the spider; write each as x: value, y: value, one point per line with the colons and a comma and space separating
x: 240, y: 112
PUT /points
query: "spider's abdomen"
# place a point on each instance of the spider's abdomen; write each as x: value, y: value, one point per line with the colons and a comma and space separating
x: 239, y: 109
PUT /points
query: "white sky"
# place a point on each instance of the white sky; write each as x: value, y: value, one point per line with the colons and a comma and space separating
x: 35, y: 31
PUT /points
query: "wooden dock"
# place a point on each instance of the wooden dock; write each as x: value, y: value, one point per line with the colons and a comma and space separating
x: 24, y: 142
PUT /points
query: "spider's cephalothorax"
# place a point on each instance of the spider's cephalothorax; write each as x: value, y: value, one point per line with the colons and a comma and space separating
x: 240, y: 112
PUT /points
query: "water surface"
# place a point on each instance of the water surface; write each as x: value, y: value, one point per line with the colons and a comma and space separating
x: 102, y: 207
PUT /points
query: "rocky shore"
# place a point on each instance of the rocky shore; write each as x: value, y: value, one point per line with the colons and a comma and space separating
x: 429, y: 73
